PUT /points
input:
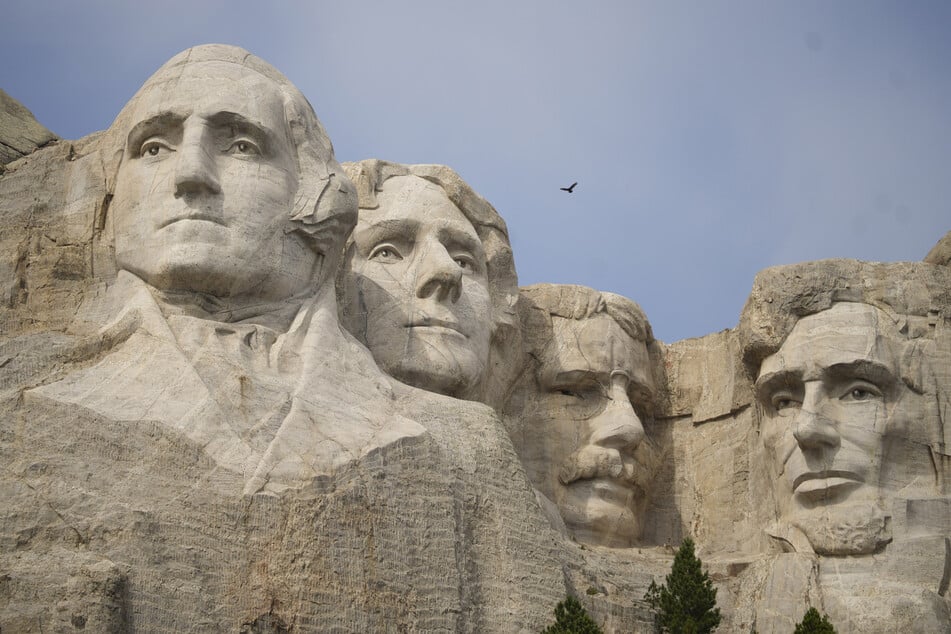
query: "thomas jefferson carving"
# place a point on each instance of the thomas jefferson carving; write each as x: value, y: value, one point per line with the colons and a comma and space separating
x: 428, y: 283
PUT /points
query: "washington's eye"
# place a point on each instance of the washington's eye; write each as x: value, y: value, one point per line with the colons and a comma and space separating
x: 464, y: 263
x: 243, y: 146
x: 385, y: 253
x: 153, y: 147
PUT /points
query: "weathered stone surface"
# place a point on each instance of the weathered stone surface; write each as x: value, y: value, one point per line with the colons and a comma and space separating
x: 195, y: 436
x: 852, y: 367
x: 20, y: 132
x: 941, y: 252
x: 428, y: 282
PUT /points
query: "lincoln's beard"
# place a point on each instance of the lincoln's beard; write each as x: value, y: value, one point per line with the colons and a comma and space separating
x: 845, y: 529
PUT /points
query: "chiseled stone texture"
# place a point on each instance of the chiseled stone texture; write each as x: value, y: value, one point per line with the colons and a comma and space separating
x: 163, y: 472
x: 20, y: 132
x: 176, y: 465
x: 941, y: 252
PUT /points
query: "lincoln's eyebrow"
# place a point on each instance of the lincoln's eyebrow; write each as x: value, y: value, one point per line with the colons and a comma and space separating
x: 872, y: 371
x: 770, y: 381
x: 154, y: 124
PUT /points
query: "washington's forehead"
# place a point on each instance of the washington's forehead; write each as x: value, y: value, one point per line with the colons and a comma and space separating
x: 210, y: 87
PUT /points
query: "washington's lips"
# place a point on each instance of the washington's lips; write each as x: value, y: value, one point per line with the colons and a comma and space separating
x: 816, y: 481
x: 204, y: 216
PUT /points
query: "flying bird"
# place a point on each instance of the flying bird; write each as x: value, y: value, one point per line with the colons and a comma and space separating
x: 569, y: 189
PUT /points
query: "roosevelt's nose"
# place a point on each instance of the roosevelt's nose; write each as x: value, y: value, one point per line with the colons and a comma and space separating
x: 438, y: 274
x: 196, y: 170
x: 618, y: 426
x: 811, y: 428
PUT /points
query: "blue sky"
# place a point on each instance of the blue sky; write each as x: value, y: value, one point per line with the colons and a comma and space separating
x: 709, y: 139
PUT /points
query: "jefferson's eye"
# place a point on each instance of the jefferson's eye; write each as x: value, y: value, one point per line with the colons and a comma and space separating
x: 385, y: 253
x: 243, y: 146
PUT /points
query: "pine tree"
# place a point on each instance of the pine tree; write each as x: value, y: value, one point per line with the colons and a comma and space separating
x: 571, y: 618
x: 812, y: 623
x: 686, y: 603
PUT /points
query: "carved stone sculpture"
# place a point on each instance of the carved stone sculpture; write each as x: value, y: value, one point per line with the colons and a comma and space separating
x: 428, y: 282
x: 851, y: 394
x: 190, y: 439
x: 581, y: 414
x: 222, y: 411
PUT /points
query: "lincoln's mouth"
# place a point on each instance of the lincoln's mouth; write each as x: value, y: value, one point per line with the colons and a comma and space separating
x: 814, y: 482
x: 193, y: 216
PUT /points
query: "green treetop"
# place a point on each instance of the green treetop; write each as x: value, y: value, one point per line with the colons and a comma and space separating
x: 686, y: 603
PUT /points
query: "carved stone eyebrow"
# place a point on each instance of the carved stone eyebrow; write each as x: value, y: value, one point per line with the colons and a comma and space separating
x: 771, y: 381
x: 151, y: 126
x: 461, y: 239
x: 572, y: 377
x: 864, y: 369
x: 388, y: 230
x: 239, y: 124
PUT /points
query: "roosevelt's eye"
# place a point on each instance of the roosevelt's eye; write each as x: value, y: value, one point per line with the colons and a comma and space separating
x: 153, y: 147
x: 571, y: 393
x: 244, y: 147
x: 385, y: 253
x: 860, y: 391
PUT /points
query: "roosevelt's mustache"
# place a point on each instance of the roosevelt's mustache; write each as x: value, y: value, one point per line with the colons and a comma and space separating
x: 594, y: 461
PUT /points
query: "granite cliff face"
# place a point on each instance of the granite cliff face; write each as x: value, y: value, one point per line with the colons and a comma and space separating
x: 245, y: 388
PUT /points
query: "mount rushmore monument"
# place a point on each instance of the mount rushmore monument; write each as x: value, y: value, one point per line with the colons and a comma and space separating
x: 246, y: 388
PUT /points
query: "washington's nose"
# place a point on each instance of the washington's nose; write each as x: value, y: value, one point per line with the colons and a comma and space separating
x: 196, y: 171
x: 438, y: 274
x: 813, y: 431
x: 618, y: 426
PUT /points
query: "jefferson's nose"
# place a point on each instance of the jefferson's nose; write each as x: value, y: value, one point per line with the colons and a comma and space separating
x: 813, y: 430
x: 196, y: 170
x: 618, y: 426
x: 438, y: 274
